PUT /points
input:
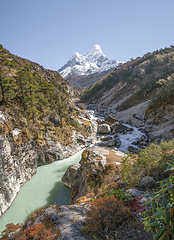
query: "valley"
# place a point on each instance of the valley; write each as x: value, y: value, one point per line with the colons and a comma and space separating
x: 110, y: 147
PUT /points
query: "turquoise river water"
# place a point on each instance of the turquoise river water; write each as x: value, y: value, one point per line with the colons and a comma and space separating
x: 43, y: 189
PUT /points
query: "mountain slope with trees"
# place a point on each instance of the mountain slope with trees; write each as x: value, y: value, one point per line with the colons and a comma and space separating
x: 140, y: 89
x: 41, y: 97
x: 39, y: 122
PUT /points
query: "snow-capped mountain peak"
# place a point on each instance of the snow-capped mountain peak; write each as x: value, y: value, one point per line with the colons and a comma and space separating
x: 93, y: 62
x: 95, y: 50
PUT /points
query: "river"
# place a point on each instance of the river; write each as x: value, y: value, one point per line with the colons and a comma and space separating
x: 43, y: 189
x: 46, y: 188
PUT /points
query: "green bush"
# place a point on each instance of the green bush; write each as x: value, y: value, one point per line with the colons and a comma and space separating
x: 160, y: 217
x: 164, y: 95
x: 148, y: 163
x: 117, y: 193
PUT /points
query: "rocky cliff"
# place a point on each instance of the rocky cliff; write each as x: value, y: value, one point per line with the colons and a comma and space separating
x: 39, y: 122
x: 91, y: 171
x: 18, y: 163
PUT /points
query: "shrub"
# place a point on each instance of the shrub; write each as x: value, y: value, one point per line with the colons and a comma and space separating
x: 117, y: 193
x: 106, y: 215
x: 35, y: 232
x: 160, y: 217
x: 148, y: 163
x: 164, y: 95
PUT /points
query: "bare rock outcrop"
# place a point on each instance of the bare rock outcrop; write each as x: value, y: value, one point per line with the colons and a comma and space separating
x: 17, y: 165
x: 84, y: 177
x: 81, y: 178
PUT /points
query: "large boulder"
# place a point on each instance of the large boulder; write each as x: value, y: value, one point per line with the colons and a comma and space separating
x: 110, y: 119
x: 109, y: 143
x: 107, y: 138
x: 147, y: 182
x: 104, y: 128
x: 121, y: 128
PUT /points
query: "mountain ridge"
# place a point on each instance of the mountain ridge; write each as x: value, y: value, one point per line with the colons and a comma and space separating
x: 93, y: 62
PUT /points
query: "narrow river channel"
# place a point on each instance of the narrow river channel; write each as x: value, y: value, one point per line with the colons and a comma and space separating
x: 43, y: 189
x: 46, y: 188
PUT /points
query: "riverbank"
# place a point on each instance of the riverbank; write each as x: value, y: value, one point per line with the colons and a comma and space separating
x: 111, y: 155
x: 22, y: 155
x: 40, y: 191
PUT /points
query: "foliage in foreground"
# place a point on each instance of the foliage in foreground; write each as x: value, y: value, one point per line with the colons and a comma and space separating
x: 106, y: 214
x: 35, y: 232
x: 148, y: 162
x: 160, y: 217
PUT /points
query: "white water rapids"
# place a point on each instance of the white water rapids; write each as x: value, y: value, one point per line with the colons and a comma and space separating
x: 128, y: 138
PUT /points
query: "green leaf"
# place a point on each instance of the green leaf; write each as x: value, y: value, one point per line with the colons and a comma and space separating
x: 164, y: 202
x: 145, y: 215
x: 158, y: 214
x: 168, y: 188
x: 172, y: 231
x: 146, y: 223
x: 169, y: 168
x: 159, y: 233
x: 163, y: 236
x: 167, y: 218
x: 155, y: 224
x: 154, y: 206
x: 169, y: 237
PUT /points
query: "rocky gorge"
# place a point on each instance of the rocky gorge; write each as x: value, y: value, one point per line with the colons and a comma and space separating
x: 39, y: 122
x: 96, y: 163
x: 106, y: 175
x: 19, y: 160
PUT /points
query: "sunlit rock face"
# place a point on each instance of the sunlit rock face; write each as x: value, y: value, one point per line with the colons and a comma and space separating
x: 20, y: 157
x: 17, y: 165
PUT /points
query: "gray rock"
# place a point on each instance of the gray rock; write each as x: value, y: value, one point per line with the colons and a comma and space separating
x: 55, y: 120
x: 81, y: 141
x: 88, y: 175
x: 110, y: 119
x: 68, y: 220
x: 109, y: 143
x: 107, y: 138
x: 117, y: 142
x: 147, y: 182
x: 104, y: 128
x: 19, y: 161
x: 120, y: 128
x: 70, y: 174
x: 17, y: 165
x: 133, y: 192
x: 132, y: 149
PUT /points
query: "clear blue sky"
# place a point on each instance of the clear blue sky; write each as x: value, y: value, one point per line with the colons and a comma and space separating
x: 49, y: 32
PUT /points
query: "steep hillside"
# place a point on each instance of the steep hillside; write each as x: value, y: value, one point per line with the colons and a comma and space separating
x: 38, y: 98
x: 85, y: 81
x: 139, y: 89
x: 39, y: 122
